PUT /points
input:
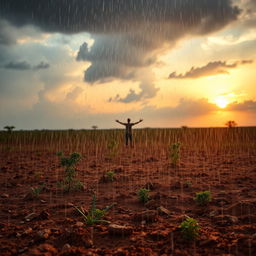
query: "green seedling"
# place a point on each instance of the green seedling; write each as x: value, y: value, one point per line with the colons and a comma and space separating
x: 112, y: 148
x: 111, y: 175
x: 174, y: 153
x: 94, y: 214
x: 143, y: 195
x: 203, y: 198
x: 60, y: 154
x: 36, y: 191
x: 69, y: 163
x: 189, y: 229
x: 188, y: 183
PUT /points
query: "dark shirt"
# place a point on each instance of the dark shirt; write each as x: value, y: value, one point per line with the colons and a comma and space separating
x: 128, y: 128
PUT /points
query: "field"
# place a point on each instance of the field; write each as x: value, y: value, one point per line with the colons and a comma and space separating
x: 38, y: 214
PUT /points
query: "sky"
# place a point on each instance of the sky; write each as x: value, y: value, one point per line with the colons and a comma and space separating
x: 78, y: 63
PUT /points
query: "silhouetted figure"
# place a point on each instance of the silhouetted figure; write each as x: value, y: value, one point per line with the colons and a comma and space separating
x: 128, y: 130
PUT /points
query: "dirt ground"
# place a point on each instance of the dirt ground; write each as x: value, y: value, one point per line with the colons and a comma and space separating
x: 220, y: 161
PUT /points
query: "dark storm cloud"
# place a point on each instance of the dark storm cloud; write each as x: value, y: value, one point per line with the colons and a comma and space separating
x: 24, y: 65
x: 133, y: 43
x: 71, y: 16
x: 127, y: 33
x: 6, y: 37
x: 212, y: 68
x: 113, y: 56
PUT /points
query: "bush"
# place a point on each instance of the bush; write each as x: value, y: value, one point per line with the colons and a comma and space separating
x: 189, y: 229
x: 203, y: 198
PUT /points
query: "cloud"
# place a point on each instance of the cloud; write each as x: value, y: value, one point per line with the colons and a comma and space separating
x: 24, y: 65
x: 248, y: 105
x: 74, y: 93
x: 41, y: 65
x: 19, y: 65
x: 113, y: 56
x: 148, y: 90
x: 69, y: 114
x: 212, y: 68
x: 6, y: 35
x: 128, y: 34
x: 11, y: 35
x: 108, y: 16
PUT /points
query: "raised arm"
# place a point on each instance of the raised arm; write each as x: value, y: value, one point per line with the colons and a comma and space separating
x: 120, y: 122
x: 138, y: 122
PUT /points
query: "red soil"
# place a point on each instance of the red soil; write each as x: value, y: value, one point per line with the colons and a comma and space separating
x: 228, y: 222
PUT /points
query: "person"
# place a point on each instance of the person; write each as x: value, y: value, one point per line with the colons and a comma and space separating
x: 128, y: 130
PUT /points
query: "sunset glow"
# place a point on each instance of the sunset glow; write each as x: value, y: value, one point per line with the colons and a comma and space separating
x: 221, y: 101
x: 99, y: 66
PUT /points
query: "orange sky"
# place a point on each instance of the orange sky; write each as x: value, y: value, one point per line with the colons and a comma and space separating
x: 52, y: 79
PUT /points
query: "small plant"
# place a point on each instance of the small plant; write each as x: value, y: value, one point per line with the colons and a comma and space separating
x: 9, y: 128
x: 69, y: 163
x: 174, y: 152
x: 203, y: 198
x: 36, y: 191
x: 60, y: 153
x: 188, y: 184
x: 112, y: 148
x: 189, y: 229
x: 110, y: 175
x: 94, y: 214
x: 143, y: 195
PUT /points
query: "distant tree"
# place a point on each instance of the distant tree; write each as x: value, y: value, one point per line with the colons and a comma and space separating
x: 184, y: 127
x: 9, y: 128
x: 94, y: 127
x: 231, y: 124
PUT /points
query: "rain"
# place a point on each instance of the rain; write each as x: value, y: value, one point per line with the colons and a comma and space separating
x: 127, y: 127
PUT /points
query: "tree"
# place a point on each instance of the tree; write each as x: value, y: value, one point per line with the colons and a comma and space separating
x: 94, y: 127
x: 231, y: 124
x: 9, y: 128
x: 184, y: 127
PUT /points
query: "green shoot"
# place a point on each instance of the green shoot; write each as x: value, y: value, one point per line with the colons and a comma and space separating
x: 69, y: 163
x: 189, y: 229
x: 143, y: 195
x: 174, y: 152
x: 36, y: 191
x: 111, y: 175
x: 94, y: 214
x: 188, y: 183
x: 112, y: 148
x: 203, y: 198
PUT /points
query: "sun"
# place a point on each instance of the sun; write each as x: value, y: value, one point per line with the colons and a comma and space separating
x: 221, y: 101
